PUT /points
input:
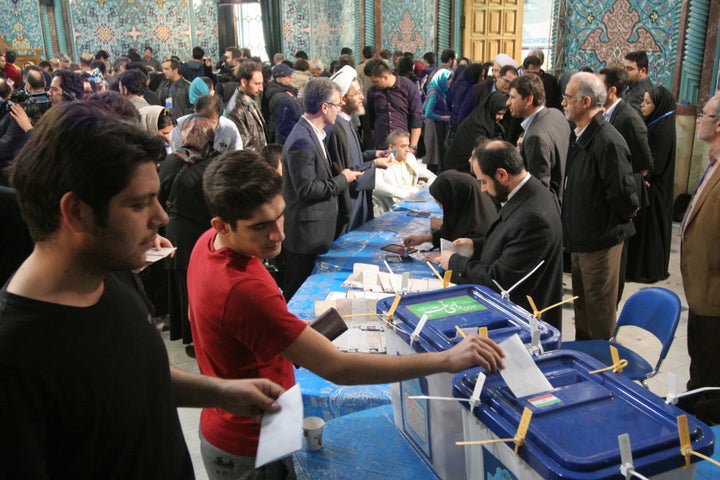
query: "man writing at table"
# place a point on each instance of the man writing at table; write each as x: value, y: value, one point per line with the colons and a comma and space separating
x: 527, y: 231
x: 242, y: 327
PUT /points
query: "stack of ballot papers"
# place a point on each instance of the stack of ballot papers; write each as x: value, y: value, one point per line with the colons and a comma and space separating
x: 369, y: 278
x: 366, y: 330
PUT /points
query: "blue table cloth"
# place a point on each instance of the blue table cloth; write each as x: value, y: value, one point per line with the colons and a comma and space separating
x: 421, y: 201
x: 316, y: 287
x: 322, y: 398
x: 365, y: 446
x: 363, y: 245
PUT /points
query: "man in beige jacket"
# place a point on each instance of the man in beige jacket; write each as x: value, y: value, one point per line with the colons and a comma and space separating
x: 700, y: 267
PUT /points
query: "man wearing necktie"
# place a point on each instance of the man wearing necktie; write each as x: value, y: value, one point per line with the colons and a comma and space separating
x: 310, y: 186
x: 700, y: 267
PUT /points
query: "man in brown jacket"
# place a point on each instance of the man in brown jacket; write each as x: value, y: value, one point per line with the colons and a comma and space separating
x: 244, y: 107
x: 700, y: 267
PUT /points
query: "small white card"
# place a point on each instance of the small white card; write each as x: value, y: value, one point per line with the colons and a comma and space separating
x: 152, y: 255
x: 281, y: 432
x: 521, y: 373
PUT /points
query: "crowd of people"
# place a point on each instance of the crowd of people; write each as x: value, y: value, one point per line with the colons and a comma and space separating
x: 251, y: 171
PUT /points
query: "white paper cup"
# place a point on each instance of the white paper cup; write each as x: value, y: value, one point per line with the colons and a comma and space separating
x: 312, y: 431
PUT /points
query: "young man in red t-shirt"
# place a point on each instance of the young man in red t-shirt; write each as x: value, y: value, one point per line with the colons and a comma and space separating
x: 241, y: 325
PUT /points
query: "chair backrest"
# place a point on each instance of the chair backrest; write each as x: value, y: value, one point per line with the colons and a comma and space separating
x: 656, y: 310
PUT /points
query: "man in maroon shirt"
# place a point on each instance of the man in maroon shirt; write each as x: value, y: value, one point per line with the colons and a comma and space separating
x: 392, y: 102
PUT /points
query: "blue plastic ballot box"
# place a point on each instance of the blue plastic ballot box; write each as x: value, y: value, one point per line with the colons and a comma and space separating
x: 573, y: 433
x: 433, y: 426
x: 468, y: 307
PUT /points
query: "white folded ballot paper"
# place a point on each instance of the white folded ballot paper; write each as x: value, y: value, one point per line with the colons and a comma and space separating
x: 521, y: 374
x: 152, y: 255
x: 281, y: 432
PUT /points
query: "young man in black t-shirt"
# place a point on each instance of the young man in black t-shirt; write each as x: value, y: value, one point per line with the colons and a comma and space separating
x: 86, y: 389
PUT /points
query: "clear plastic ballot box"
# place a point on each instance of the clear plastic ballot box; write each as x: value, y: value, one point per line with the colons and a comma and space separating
x: 433, y: 426
x: 573, y: 433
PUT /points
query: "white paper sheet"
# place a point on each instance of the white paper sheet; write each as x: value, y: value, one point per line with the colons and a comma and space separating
x: 521, y: 374
x: 281, y: 432
x: 447, y: 246
x: 152, y: 255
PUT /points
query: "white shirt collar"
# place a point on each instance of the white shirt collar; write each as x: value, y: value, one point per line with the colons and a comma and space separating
x: 344, y: 115
x: 525, y: 124
x: 518, y: 186
x: 610, y: 109
x: 320, y: 133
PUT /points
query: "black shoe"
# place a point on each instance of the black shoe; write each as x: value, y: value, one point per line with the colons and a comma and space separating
x: 190, y: 351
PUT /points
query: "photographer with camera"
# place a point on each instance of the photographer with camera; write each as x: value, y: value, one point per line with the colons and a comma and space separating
x: 25, y: 107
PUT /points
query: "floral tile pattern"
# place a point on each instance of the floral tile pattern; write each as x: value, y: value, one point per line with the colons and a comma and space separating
x: 599, y: 34
x: 20, y: 24
x: 319, y: 27
x: 408, y: 26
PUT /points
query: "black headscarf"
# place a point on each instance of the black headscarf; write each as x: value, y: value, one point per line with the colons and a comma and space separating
x: 467, y: 211
x: 663, y: 100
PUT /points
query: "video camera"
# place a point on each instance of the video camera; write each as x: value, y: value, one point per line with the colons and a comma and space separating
x: 34, y: 104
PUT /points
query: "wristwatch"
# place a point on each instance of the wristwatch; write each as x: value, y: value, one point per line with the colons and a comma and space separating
x: 414, y: 147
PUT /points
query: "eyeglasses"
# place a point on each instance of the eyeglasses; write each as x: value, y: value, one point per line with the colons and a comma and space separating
x: 700, y: 116
x: 336, y: 105
x: 568, y: 98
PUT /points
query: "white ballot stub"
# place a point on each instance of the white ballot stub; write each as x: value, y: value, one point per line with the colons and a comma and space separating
x: 521, y: 374
x: 281, y: 432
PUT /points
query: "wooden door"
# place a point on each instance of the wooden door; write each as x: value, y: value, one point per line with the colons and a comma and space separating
x: 492, y: 27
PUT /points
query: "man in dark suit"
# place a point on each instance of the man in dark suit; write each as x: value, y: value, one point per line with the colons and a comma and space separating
x: 547, y: 133
x: 626, y: 120
x: 527, y: 231
x: 631, y: 126
x: 311, y: 188
x: 636, y: 65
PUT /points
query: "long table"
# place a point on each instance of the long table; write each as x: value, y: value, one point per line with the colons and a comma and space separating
x: 421, y: 201
x: 364, y: 245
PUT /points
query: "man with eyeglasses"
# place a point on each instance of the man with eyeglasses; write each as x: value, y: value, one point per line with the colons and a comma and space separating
x: 311, y: 187
x: 699, y: 260
x: 355, y: 206
x: 598, y: 204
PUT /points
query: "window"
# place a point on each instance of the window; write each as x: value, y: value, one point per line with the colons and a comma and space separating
x: 249, y: 29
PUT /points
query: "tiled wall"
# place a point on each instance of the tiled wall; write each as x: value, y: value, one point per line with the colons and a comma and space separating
x: 409, y: 26
x: 20, y: 24
x: 171, y: 27
x: 319, y: 27
x: 599, y: 34
x: 322, y: 27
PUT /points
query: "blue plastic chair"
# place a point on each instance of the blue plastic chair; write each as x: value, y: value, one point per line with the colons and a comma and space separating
x: 654, y: 309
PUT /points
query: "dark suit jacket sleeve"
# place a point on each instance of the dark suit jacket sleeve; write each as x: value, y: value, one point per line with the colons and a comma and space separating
x: 523, y: 250
x: 537, y: 153
x: 633, y: 129
x: 302, y: 158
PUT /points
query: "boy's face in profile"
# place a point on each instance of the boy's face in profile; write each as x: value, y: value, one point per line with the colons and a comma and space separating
x: 262, y: 234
